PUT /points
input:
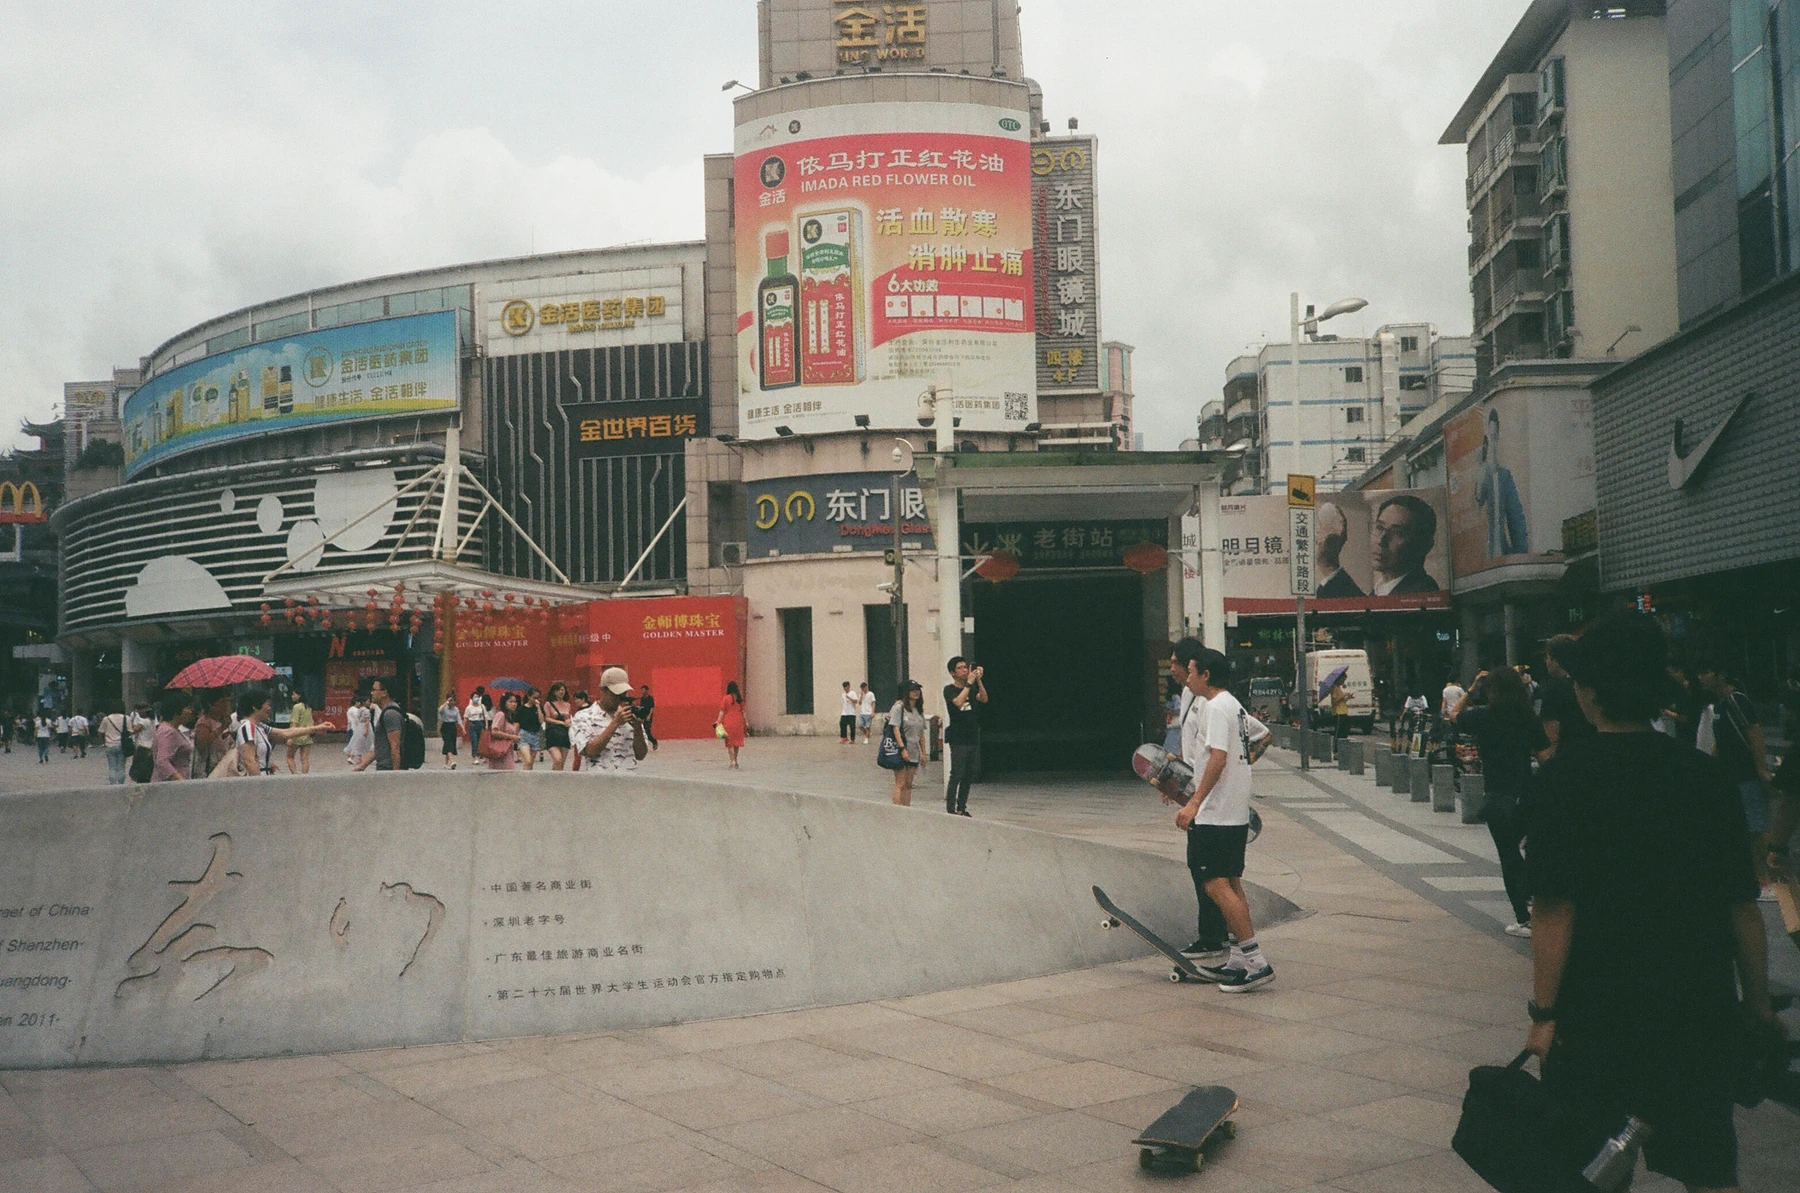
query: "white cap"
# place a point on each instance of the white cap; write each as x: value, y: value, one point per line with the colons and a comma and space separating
x: 614, y: 680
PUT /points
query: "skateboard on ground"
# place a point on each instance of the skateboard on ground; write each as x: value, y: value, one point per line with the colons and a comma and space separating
x: 1174, y: 1142
x: 1174, y: 778
x: 1184, y: 970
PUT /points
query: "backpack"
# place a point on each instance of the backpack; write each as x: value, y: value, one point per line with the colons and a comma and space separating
x: 412, y: 743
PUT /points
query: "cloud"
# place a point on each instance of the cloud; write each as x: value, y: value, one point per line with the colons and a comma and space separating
x: 166, y: 164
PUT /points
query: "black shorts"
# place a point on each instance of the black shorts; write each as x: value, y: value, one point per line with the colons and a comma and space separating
x: 447, y: 730
x: 1217, y: 850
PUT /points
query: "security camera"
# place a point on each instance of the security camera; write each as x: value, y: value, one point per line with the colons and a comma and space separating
x: 897, y: 455
x: 927, y: 409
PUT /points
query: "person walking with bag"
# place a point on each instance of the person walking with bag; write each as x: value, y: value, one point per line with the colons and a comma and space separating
x: 450, y: 728
x: 502, y: 735
x: 906, y: 728
x: 475, y: 716
x: 556, y: 724
x: 1649, y: 957
x: 1507, y: 735
x: 730, y: 725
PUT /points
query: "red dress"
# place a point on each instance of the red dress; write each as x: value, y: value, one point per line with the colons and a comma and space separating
x: 731, y: 715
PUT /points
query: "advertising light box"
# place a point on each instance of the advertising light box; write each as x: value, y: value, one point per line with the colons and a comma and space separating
x: 390, y: 367
x: 1371, y: 550
x: 882, y: 250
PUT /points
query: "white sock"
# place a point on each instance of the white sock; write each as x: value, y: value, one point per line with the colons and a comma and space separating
x: 1248, y: 957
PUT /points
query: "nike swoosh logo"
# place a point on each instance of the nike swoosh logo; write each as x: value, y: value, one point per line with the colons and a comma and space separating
x: 1683, y: 465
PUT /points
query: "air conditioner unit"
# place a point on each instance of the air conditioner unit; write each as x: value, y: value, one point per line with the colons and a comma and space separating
x: 731, y: 555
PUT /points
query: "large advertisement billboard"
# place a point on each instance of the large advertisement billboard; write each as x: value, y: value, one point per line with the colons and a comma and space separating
x: 1519, y: 464
x: 883, y: 249
x: 367, y: 370
x: 1372, y: 551
x: 1065, y: 211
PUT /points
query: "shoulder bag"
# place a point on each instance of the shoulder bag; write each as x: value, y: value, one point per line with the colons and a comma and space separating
x: 888, y: 755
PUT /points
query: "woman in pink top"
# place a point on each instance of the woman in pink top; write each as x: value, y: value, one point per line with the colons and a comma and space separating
x: 503, y: 727
x: 173, y: 753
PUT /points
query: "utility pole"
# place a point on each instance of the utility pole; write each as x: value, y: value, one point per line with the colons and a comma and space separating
x: 899, y: 595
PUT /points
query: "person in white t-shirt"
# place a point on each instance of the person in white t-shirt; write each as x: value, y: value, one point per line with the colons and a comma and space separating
x: 78, y: 734
x: 848, y: 708
x: 1452, y: 699
x: 865, y: 711
x: 1217, y: 816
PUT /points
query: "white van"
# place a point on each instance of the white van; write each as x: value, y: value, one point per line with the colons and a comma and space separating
x: 1321, y: 663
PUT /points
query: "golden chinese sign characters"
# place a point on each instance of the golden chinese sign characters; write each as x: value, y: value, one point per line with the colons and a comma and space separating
x: 518, y: 317
x: 868, y: 33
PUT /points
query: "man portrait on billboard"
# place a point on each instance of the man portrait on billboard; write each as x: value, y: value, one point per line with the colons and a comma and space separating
x: 1404, y: 531
x: 1498, y: 496
x: 1333, y: 532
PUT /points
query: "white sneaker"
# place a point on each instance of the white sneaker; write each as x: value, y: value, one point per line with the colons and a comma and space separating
x: 1520, y: 930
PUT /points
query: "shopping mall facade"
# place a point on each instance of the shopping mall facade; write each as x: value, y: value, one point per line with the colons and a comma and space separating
x: 894, y: 317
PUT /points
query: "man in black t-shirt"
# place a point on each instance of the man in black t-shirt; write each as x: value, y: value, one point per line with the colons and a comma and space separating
x: 1561, y: 714
x: 962, y: 698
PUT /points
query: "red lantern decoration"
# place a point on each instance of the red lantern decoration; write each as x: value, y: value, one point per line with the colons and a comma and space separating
x: 998, y: 567
x: 1146, y: 559
x: 374, y: 592
x: 531, y: 600
x: 267, y: 620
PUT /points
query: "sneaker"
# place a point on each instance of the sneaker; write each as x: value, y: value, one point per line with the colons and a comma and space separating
x: 963, y: 812
x: 1237, y: 981
x: 1523, y: 931
x: 1205, y: 952
x: 1216, y: 973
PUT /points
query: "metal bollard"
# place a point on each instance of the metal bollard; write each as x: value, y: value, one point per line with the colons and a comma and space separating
x: 1419, y: 776
x: 1443, y: 788
x: 1471, y: 799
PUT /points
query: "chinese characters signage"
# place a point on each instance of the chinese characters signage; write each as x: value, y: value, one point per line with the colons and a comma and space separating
x: 1068, y: 275
x: 839, y: 512
x: 1063, y: 544
x: 590, y: 310
x: 631, y: 428
x: 875, y: 32
x: 880, y: 251
x: 389, y: 367
x: 1366, y: 550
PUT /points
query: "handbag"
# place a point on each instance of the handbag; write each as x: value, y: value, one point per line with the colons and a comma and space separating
x: 889, y: 756
x: 493, y: 749
x: 1519, y: 1138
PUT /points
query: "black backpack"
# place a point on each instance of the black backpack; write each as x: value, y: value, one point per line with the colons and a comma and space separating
x: 412, y: 743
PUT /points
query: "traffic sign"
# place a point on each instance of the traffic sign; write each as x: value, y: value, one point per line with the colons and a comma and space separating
x: 1301, y: 490
x: 1300, y: 550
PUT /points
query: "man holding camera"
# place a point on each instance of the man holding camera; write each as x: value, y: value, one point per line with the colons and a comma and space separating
x: 963, y: 733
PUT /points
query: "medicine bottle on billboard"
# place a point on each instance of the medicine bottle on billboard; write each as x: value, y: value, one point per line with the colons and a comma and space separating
x: 776, y: 297
x: 831, y: 302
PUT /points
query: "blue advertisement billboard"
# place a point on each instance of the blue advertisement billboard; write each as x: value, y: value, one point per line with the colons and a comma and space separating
x: 381, y: 369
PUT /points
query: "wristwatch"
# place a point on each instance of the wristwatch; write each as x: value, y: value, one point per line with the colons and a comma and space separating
x: 1540, y: 1014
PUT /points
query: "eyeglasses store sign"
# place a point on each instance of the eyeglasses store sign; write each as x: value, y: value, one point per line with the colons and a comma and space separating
x: 595, y: 310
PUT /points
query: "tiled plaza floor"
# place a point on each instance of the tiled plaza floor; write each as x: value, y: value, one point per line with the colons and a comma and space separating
x: 1350, y: 1067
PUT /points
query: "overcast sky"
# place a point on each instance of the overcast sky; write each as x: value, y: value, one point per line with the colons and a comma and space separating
x: 164, y: 163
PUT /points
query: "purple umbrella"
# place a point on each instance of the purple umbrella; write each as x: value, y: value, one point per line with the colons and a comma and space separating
x: 1330, y: 681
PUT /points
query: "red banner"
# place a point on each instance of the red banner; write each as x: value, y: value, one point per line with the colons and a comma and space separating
x: 686, y: 648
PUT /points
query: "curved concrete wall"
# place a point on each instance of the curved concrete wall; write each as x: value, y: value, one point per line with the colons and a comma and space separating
x: 259, y: 917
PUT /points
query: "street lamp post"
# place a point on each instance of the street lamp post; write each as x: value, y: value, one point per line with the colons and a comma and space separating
x: 903, y: 464
x: 1343, y: 306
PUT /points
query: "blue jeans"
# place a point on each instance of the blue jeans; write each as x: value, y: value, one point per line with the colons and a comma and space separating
x: 1756, y: 805
x: 475, y: 728
x: 115, y: 765
x: 43, y: 749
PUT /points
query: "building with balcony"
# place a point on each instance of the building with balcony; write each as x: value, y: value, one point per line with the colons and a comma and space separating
x: 1571, y: 232
x: 1355, y: 394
